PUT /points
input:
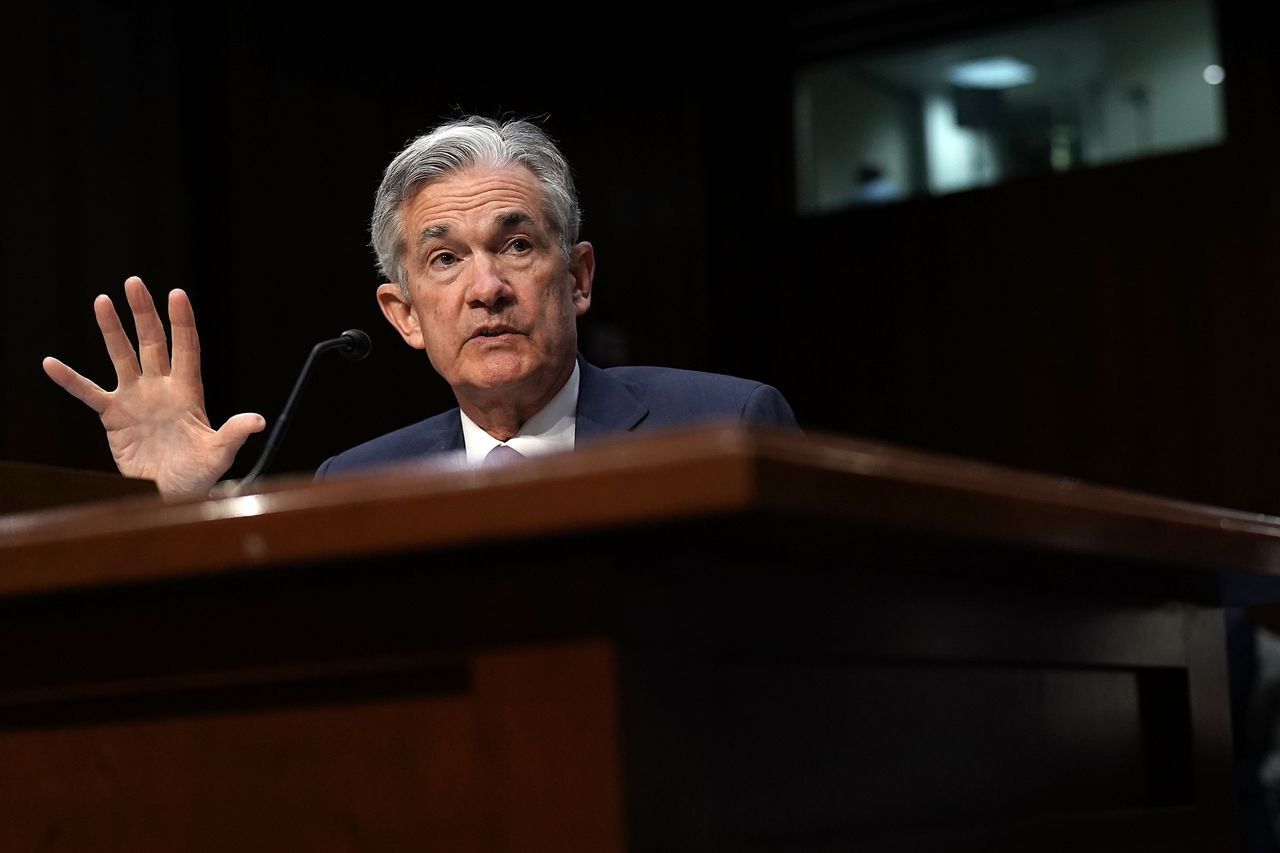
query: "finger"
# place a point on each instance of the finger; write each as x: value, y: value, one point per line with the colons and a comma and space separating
x: 238, y: 428
x: 119, y: 348
x: 186, y: 343
x: 153, y: 345
x: 76, y: 385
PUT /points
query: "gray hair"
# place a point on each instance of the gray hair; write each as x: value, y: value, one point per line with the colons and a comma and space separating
x: 457, y: 145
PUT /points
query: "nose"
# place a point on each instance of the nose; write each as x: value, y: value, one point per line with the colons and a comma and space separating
x: 488, y: 286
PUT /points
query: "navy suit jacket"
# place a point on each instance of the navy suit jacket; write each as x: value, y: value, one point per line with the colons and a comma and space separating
x: 610, y: 401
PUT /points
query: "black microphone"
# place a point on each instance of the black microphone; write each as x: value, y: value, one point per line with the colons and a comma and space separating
x: 354, y: 346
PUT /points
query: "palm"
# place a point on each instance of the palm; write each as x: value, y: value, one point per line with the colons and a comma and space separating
x: 157, y: 429
x: 155, y: 418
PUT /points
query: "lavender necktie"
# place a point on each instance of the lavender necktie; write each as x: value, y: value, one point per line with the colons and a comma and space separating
x: 501, y: 454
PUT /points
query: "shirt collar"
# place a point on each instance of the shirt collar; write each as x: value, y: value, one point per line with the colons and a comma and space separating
x: 550, y: 430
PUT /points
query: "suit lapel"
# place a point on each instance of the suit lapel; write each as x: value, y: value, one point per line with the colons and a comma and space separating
x: 605, y: 405
x: 443, y: 433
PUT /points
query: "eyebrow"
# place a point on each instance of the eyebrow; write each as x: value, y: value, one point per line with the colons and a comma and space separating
x: 505, y: 222
x: 432, y: 232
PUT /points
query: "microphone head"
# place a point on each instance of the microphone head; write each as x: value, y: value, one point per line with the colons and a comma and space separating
x: 355, y: 344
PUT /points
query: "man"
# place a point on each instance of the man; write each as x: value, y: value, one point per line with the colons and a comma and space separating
x: 475, y: 226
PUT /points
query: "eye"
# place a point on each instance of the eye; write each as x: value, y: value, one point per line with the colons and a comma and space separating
x: 443, y: 259
x: 520, y: 245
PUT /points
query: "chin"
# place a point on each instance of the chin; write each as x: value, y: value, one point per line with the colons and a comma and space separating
x: 502, y: 373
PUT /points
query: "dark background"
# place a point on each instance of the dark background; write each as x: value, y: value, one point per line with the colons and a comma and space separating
x: 1113, y: 324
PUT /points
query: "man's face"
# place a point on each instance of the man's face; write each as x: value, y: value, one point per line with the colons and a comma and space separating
x: 491, y: 298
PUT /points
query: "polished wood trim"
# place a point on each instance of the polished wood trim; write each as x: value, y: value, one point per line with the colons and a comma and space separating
x: 26, y: 486
x: 630, y: 481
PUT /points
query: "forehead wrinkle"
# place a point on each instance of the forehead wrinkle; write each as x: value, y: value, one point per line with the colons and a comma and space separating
x: 513, y: 187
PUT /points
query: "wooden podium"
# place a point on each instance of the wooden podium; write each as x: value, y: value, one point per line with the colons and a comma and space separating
x: 714, y: 639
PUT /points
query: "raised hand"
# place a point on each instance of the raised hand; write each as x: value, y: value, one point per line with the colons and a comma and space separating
x: 155, y: 418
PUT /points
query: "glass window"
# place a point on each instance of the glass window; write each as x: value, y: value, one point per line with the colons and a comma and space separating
x: 1114, y: 83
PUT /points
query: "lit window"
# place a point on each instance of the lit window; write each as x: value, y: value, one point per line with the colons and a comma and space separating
x: 1118, y: 82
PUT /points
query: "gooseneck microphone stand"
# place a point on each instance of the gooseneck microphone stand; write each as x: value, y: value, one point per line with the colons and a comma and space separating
x: 354, y: 345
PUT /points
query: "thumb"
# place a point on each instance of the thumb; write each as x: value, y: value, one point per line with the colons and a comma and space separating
x: 238, y: 428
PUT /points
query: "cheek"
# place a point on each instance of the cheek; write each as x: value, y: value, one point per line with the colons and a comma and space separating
x: 561, y: 320
x: 435, y: 321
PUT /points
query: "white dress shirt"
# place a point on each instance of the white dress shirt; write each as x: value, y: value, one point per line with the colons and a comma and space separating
x: 552, y: 429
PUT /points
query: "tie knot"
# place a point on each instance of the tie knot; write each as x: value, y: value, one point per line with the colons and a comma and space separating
x: 502, y: 453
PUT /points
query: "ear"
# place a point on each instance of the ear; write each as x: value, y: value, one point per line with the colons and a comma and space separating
x: 583, y: 270
x: 400, y: 314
